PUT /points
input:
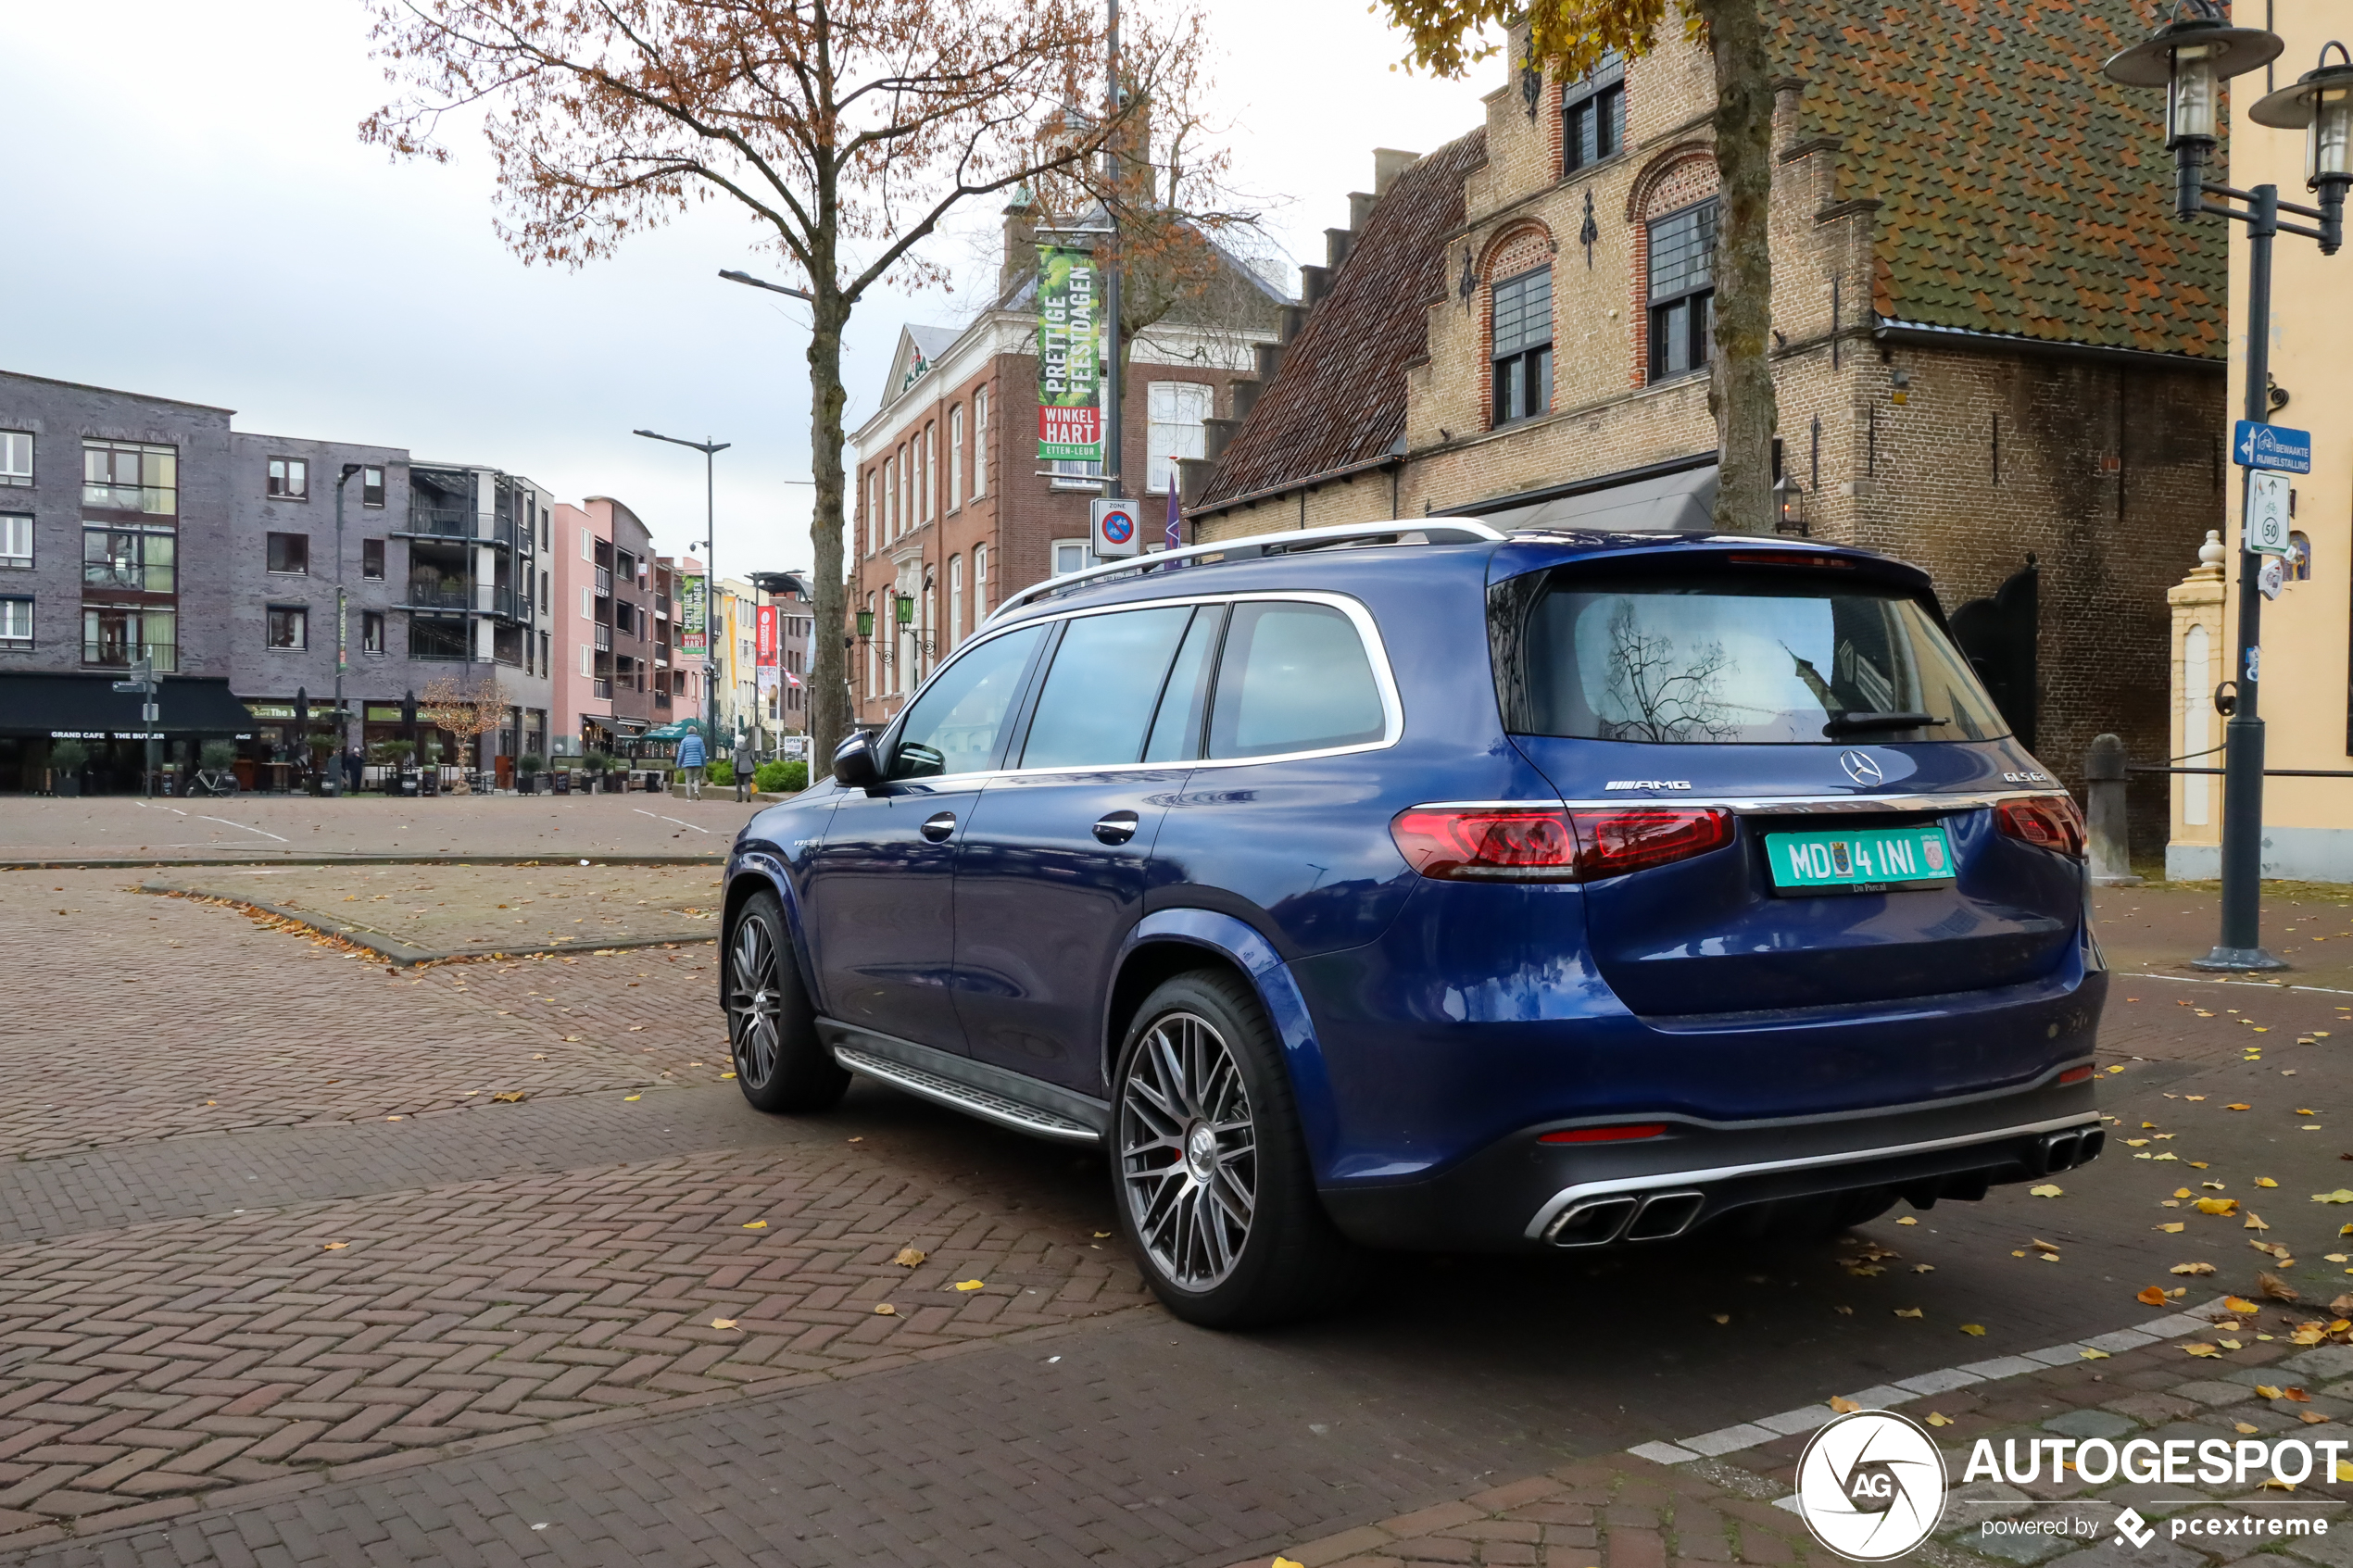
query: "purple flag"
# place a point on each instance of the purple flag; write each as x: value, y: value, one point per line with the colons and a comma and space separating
x: 1176, y: 534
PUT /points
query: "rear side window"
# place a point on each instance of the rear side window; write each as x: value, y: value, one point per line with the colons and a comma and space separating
x: 1294, y: 677
x: 953, y: 726
x: 1732, y: 660
x: 1098, y: 700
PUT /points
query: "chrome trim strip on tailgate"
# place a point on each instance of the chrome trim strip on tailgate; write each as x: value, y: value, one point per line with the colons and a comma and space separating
x: 1566, y: 1196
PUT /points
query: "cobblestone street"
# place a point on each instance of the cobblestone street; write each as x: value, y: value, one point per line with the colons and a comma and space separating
x: 307, y: 1257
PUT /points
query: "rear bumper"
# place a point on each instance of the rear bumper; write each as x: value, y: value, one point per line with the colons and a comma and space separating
x: 1522, y: 1194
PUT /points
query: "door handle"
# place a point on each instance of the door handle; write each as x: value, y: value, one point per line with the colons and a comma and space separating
x: 939, y: 825
x: 1117, y: 827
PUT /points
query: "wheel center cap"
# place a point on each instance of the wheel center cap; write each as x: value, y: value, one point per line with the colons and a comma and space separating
x: 1201, y: 1151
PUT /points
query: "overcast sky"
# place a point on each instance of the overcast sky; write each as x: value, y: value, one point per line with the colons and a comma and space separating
x: 191, y: 214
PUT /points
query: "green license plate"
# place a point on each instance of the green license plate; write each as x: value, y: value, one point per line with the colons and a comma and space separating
x: 1859, y: 859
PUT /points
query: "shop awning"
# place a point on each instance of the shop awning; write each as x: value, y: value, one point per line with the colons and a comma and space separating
x: 89, y: 708
x: 678, y: 731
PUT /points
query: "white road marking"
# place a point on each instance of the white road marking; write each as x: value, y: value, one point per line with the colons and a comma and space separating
x: 226, y: 823
x: 2258, y: 984
x: 658, y: 817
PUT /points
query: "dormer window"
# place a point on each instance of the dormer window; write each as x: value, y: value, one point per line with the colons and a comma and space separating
x: 1593, y: 114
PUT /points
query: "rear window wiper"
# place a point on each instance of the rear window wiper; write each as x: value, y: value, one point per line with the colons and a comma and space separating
x: 1865, y: 719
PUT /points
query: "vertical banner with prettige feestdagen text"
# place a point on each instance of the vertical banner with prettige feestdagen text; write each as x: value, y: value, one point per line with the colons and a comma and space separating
x: 1070, y: 361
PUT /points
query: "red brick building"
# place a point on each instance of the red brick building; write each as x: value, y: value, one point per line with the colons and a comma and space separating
x: 1993, y: 343
x: 952, y: 508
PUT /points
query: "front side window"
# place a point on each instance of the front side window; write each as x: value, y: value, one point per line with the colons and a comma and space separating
x: 1732, y: 659
x: 15, y: 622
x: 116, y: 637
x: 127, y: 560
x: 1293, y: 677
x: 1593, y: 114
x: 1682, y: 289
x: 289, y: 626
x: 371, y: 557
x: 289, y: 478
x: 15, y: 539
x: 16, y: 456
x: 124, y: 476
x: 953, y: 726
x: 1098, y: 702
x: 1523, y: 345
x: 980, y: 442
x: 372, y: 630
x: 371, y: 487
x: 290, y: 553
x: 1176, y: 409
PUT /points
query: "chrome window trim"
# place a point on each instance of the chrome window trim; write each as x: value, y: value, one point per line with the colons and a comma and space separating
x: 1566, y: 1196
x: 1367, y: 633
x: 1763, y: 806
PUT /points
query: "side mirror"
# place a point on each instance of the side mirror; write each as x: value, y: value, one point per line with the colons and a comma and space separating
x: 855, y: 766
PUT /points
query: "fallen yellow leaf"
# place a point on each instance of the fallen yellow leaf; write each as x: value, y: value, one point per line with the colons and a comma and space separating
x: 2153, y: 1296
x: 885, y: 1310
x: 2341, y: 1195
x: 2217, y: 1205
x: 2240, y: 1304
x: 2046, y: 1190
x: 2091, y: 1355
x: 2269, y: 1392
x: 2171, y: 1226
x: 1843, y: 1405
x: 2192, y: 1268
x: 1721, y: 1317
x: 755, y: 1224
x: 2238, y: 1108
x: 1907, y: 1219
x: 633, y: 1097
x: 723, y: 1323
x: 2200, y: 1350
x: 2181, y: 1191
x: 333, y: 1246
x: 909, y: 1257
x: 2228, y: 1344
x: 510, y: 1097
x: 726, y: 1074
x: 1936, y: 1420
x: 1910, y: 1313
x: 1976, y: 1330
x: 2265, y: 1181
x: 1283, y: 1561
x: 2246, y: 1429
x: 968, y: 1284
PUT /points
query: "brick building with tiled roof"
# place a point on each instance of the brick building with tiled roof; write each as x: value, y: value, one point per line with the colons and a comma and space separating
x: 1992, y: 342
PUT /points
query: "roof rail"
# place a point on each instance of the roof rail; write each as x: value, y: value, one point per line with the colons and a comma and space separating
x: 1433, y: 531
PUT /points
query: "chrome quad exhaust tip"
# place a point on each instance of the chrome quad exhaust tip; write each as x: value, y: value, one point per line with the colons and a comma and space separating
x: 1625, y: 1216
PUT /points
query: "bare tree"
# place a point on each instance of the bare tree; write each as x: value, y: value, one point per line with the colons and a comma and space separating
x: 1569, y: 37
x: 467, y: 709
x: 848, y: 129
x: 1655, y: 695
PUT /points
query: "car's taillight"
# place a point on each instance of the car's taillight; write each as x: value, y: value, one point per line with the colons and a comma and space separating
x: 1520, y: 844
x: 2048, y: 821
x: 1488, y: 844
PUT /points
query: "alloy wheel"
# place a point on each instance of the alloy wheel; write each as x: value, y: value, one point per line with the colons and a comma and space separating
x: 1188, y: 1151
x: 754, y: 1002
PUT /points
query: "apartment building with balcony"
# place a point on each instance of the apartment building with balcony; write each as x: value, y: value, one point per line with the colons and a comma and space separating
x: 602, y: 588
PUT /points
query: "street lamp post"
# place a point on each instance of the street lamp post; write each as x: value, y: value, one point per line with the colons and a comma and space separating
x: 710, y: 450
x: 2191, y: 58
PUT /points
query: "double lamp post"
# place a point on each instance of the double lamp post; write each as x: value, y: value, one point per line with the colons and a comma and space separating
x: 2190, y: 58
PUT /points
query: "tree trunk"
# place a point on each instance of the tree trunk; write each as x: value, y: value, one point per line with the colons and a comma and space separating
x: 828, y: 664
x: 1740, y: 383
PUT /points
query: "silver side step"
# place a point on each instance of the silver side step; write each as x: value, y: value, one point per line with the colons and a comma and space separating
x: 983, y: 1103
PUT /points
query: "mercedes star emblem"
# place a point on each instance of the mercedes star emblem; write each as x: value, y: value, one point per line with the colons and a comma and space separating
x: 1861, y: 769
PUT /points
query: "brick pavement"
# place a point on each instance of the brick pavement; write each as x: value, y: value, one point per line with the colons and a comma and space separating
x: 158, y: 1361
x: 236, y: 1026
x: 275, y: 826
x: 412, y: 912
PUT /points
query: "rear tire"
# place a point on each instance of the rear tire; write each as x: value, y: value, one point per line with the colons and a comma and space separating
x: 781, y: 1065
x: 1209, y: 1170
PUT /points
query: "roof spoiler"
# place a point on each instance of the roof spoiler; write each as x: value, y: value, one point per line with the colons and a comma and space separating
x: 1428, y: 531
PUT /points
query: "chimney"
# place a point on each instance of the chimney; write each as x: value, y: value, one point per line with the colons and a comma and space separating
x: 1388, y: 163
x: 1021, y: 240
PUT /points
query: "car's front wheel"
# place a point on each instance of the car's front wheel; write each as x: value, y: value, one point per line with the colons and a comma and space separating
x: 772, y: 1026
x: 1209, y: 1169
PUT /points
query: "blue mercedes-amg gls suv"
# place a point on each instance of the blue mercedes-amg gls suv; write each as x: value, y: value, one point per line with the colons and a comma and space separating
x: 1449, y: 890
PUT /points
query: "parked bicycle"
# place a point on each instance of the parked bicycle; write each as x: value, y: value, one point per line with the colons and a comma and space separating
x: 212, y: 781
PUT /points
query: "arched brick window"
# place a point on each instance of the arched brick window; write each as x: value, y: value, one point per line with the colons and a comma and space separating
x: 1672, y: 209
x: 1519, y: 324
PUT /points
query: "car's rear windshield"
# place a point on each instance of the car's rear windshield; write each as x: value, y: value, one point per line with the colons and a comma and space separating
x: 1732, y: 658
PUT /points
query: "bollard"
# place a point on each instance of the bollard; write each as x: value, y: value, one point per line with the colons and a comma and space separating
x: 2104, y: 790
